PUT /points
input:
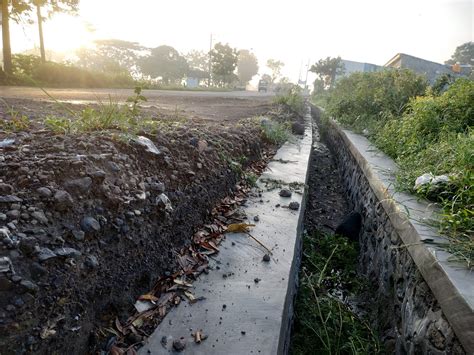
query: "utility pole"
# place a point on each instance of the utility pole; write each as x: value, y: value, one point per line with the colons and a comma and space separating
x: 210, y: 63
x: 40, y: 28
x: 306, y: 79
x: 7, y: 51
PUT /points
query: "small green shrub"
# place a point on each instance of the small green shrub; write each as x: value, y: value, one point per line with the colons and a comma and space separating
x: 361, y: 100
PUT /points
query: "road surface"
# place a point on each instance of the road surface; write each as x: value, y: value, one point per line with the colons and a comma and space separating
x: 203, y: 104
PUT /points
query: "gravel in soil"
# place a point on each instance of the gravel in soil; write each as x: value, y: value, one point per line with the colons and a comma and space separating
x: 88, y: 222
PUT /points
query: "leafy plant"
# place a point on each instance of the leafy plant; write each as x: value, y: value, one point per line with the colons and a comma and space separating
x: 16, y: 121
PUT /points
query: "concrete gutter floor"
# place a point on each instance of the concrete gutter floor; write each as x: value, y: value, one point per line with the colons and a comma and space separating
x: 248, y: 305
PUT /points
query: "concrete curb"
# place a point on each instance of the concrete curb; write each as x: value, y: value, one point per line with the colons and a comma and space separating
x: 241, y: 315
x: 452, y: 284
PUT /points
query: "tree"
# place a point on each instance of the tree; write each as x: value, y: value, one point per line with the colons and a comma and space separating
x: 7, y: 52
x: 10, y: 10
x: 327, y: 69
x: 198, y: 62
x: 464, y: 54
x: 247, y: 66
x: 275, y: 66
x: 223, y: 62
x: 164, y: 62
x: 52, y: 7
x: 111, y: 55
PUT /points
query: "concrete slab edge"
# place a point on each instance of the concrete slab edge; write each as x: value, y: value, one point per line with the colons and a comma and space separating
x: 450, y: 283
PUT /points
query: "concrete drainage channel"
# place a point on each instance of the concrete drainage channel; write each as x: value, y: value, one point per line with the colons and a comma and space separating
x: 248, y: 303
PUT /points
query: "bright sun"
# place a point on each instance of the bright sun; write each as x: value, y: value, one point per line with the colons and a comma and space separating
x: 66, y: 33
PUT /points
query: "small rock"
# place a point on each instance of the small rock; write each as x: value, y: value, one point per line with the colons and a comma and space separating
x: 256, y: 218
x: 40, y: 217
x: 90, y: 225
x: 44, y: 192
x: 294, y: 205
x: 13, y: 214
x: 9, y: 199
x: 297, y: 128
x: 266, y: 258
x: 67, y: 252
x: 91, y: 262
x: 285, y: 193
x: 179, y: 344
x: 81, y: 185
x: 78, y: 235
x: 6, y: 264
x: 29, y: 286
x: 37, y: 271
x: 148, y: 144
x: 3, y: 217
x: 6, y: 188
x: 46, y: 254
x: 257, y: 280
x: 63, y: 200
x: 7, y: 142
x: 202, y: 146
x: 163, y: 201
x: 157, y: 187
x: 98, y: 176
x: 4, y: 233
x: 27, y: 245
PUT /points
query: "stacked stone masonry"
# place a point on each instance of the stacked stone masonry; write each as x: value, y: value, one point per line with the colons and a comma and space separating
x: 406, y: 313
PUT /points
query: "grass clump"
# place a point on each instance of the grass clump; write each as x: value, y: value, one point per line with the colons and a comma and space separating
x: 292, y: 98
x: 275, y: 132
x: 323, y: 323
x: 16, y: 121
x: 109, y: 115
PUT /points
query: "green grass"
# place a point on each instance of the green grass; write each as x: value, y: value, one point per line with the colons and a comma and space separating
x: 275, y: 132
x: 108, y: 115
x: 430, y: 133
x: 293, y: 99
x: 323, y: 323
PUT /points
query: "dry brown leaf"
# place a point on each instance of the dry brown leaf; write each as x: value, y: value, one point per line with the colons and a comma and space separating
x: 148, y: 297
x: 190, y: 296
x: 239, y: 227
x: 182, y: 283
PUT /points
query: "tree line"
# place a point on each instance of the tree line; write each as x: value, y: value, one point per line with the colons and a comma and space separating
x: 222, y: 66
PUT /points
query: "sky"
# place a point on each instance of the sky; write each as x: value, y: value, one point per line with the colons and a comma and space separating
x: 296, y: 32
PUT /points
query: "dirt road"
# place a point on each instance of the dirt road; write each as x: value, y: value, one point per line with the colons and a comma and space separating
x: 227, y: 105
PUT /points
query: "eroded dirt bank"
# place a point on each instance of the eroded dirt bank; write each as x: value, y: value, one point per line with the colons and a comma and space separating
x: 89, y: 221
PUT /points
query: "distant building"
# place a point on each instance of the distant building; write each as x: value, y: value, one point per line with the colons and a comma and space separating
x: 431, y: 70
x: 351, y: 66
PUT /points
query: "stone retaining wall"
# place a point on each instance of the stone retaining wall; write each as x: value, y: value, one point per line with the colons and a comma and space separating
x: 406, y: 312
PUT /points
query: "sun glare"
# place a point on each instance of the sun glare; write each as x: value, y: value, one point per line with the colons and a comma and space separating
x: 65, y: 33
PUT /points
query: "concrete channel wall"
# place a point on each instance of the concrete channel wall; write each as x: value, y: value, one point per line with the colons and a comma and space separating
x: 423, y: 302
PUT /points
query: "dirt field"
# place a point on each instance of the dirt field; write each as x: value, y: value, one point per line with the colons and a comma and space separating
x: 89, y: 221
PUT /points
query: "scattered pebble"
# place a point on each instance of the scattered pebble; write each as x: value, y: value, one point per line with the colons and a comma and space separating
x: 285, y: 193
x: 294, y: 206
x: 266, y: 258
